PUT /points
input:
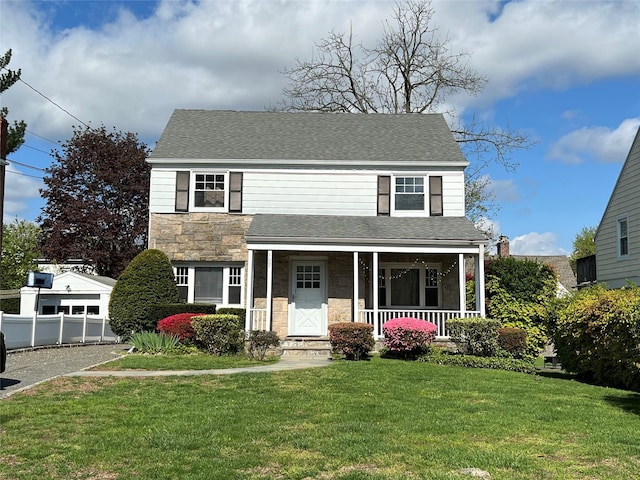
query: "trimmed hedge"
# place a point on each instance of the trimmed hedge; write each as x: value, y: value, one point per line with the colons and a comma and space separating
x: 145, y: 283
x: 167, y: 309
x: 221, y: 334
x: 597, y: 336
x: 408, y: 337
x: 439, y: 357
x: 179, y: 325
x: 351, y: 339
x: 513, y: 340
x: 474, y: 336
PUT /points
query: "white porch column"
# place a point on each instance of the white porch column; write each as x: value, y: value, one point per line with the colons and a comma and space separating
x: 376, y: 293
x: 248, y: 320
x: 462, y: 284
x: 479, y: 275
x: 269, y: 288
x: 355, y: 286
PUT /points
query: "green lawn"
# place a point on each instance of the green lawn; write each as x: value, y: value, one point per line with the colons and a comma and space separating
x: 194, y: 361
x: 380, y: 419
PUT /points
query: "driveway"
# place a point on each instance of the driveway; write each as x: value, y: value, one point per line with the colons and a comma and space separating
x: 26, y: 368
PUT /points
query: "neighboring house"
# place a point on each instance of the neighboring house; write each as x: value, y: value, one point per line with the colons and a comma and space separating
x: 309, y: 219
x: 567, y: 281
x: 72, y: 293
x: 618, y: 235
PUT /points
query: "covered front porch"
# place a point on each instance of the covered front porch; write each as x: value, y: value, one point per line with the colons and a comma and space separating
x: 305, y: 273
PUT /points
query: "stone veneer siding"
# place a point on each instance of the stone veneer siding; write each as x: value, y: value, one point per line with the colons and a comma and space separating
x: 200, y: 237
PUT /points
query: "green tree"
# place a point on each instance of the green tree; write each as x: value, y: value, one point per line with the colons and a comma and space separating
x: 412, y: 69
x: 146, y: 283
x: 20, y: 249
x: 521, y: 294
x: 97, y: 194
x: 7, y: 79
x: 584, y: 245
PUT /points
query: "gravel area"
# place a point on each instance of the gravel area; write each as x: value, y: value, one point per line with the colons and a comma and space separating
x: 26, y: 368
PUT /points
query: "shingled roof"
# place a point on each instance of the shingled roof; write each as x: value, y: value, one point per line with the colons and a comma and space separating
x: 303, y: 136
x: 327, y: 229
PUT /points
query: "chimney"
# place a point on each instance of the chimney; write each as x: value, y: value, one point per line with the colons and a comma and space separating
x: 503, y: 247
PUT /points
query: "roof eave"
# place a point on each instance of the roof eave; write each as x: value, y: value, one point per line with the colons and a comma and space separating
x: 306, y: 162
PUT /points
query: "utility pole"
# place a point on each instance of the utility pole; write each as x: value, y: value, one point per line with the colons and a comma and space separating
x: 4, y: 133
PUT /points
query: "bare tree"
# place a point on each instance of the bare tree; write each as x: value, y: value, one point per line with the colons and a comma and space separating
x: 412, y: 69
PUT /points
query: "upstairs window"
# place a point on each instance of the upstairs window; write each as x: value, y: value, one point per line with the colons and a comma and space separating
x: 623, y: 237
x: 208, y: 191
x: 409, y: 193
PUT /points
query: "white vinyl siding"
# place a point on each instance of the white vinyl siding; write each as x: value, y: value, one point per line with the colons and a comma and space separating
x: 162, y: 193
x: 309, y: 192
x: 611, y: 267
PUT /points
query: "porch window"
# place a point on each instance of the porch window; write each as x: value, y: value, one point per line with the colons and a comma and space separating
x: 408, y: 286
x: 623, y: 237
x: 210, y: 283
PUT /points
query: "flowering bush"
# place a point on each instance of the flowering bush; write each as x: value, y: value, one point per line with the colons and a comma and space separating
x: 179, y: 325
x: 408, y: 337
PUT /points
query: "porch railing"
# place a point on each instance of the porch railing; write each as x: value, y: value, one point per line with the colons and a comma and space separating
x: 437, y: 317
x: 258, y: 319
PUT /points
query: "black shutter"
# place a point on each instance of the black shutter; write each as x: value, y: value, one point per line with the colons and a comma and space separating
x: 182, y: 191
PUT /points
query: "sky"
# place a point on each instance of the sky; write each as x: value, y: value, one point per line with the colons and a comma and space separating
x: 564, y: 73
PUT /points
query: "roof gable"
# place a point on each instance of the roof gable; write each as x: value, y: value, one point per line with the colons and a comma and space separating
x: 632, y: 156
x: 304, y: 136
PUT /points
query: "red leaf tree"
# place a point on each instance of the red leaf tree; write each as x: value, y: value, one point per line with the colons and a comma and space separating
x: 97, y: 193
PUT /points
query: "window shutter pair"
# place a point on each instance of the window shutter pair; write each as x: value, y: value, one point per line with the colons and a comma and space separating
x: 435, y: 196
x: 182, y: 191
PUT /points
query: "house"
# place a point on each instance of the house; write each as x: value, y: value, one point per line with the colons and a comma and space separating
x: 567, y: 281
x: 309, y: 219
x: 72, y: 293
x: 618, y: 235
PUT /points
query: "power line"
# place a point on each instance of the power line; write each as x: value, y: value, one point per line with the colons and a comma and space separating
x: 37, y: 149
x: 43, y: 138
x: 24, y: 174
x: 49, y: 100
x: 26, y: 165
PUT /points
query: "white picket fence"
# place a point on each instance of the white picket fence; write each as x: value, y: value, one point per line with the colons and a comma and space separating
x: 40, y: 330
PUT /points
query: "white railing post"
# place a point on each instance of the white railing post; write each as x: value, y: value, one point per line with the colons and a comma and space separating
x: 104, y: 323
x: 269, y: 320
x: 33, y: 329
x: 376, y: 293
x: 60, y: 330
x: 248, y: 321
x: 84, y: 327
x: 356, y: 293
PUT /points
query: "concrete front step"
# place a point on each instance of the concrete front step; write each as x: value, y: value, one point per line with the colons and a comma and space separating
x: 306, y: 346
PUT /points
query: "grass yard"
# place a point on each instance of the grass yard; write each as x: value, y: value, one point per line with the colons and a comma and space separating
x: 381, y: 419
x: 194, y: 361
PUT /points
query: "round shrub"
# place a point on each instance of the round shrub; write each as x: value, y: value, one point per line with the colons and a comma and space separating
x: 513, y: 340
x: 351, y: 339
x: 259, y: 342
x: 147, y: 282
x: 408, y: 337
x: 180, y: 325
x: 221, y: 334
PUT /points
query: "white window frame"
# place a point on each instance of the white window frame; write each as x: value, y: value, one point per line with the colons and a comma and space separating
x: 423, y: 212
x: 227, y: 278
x: 192, y: 191
x: 619, y: 236
x: 422, y: 268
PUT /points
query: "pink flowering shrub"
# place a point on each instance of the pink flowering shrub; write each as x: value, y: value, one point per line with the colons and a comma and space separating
x: 408, y: 337
x: 180, y: 325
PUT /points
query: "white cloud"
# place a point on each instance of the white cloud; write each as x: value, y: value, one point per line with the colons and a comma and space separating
x: 18, y: 188
x: 600, y: 143
x: 536, y: 244
x: 504, y: 190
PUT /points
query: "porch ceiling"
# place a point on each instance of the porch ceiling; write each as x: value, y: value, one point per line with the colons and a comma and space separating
x: 348, y: 230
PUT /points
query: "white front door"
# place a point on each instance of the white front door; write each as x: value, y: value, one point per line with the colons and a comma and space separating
x: 307, y: 312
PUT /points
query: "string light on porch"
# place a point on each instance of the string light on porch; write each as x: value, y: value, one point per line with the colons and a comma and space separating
x: 416, y: 262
